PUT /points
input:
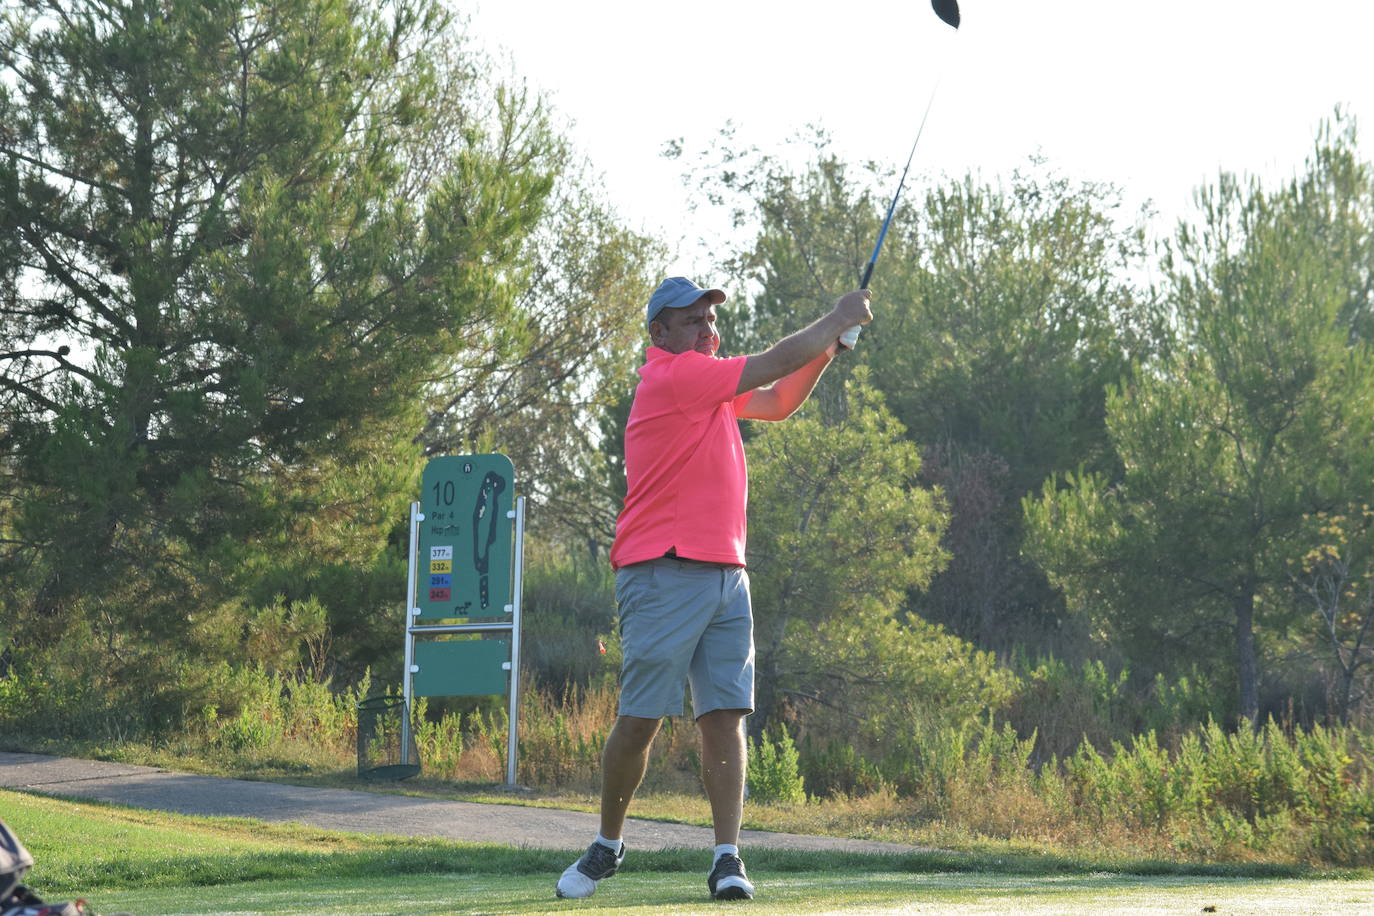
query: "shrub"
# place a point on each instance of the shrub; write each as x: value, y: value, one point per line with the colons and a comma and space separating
x: 569, y: 615
x: 773, y: 774
x: 837, y: 768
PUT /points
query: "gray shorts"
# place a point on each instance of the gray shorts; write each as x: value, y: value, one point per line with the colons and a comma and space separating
x: 684, y: 622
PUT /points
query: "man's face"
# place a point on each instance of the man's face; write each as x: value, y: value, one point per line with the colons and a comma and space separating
x: 690, y: 328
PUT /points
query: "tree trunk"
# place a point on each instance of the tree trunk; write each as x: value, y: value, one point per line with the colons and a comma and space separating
x: 1246, y: 668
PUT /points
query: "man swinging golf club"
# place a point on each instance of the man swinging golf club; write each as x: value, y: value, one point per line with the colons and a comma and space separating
x: 681, y: 586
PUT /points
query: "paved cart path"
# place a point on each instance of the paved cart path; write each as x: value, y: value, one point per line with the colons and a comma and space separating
x: 369, y: 812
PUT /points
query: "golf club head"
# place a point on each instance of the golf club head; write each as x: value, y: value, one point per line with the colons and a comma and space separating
x: 947, y: 10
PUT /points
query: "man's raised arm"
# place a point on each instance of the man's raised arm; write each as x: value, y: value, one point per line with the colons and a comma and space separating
x: 786, y: 372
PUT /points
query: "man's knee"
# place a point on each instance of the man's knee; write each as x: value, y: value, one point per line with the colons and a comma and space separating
x: 636, y: 730
x: 722, y: 722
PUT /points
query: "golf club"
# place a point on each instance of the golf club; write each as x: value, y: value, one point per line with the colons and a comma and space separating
x: 948, y: 11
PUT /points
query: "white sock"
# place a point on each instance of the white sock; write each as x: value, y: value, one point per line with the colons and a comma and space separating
x: 612, y: 845
x: 724, y: 848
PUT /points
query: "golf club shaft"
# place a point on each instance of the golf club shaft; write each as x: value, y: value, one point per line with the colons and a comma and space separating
x: 848, y: 339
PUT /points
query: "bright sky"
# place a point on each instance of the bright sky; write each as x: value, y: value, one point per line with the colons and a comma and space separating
x: 1155, y: 96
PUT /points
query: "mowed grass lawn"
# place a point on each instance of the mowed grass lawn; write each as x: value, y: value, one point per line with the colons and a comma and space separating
x: 155, y: 864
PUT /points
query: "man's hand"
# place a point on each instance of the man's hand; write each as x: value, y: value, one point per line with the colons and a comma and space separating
x: 796, y: 350
x: 853, y: 308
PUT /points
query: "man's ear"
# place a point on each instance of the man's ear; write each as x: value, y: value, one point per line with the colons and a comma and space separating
x: 656, y: 330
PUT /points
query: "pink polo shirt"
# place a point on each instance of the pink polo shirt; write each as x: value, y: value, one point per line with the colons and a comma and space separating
x: 684, y: 462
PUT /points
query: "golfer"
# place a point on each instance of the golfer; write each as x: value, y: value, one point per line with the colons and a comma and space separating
x: 681, y: 587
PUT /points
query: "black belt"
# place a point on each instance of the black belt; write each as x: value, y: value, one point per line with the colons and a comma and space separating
x: 672, y: 555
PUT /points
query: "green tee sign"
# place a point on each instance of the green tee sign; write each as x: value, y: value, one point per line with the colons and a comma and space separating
x: 465, y: 538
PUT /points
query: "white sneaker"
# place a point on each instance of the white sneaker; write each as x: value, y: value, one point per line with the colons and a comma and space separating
x: 579, y: 879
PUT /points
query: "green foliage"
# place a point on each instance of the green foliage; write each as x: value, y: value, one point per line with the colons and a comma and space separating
x: 1207, y: 794
x: 1188, y: 700
x: 255, y: 712
x: 773, y: 774
x: 568, y: 349
x: 1066, y: 704
x: 838, y: 530
x: 1001, y: 313
x: 458, y: 745
x: 941, y: 764
x: 225, y: 251
x: 571, y: 638
x: 249, y: 249
x: 1224, y: 793
x: 1217, y: 795
x: 1005, y: 328
x: 878, y: 678
x: 1335, y: 579
x: 231, y: 251
x: 1017, y: 314
x: 836, y: 768
x: 1258, y: 416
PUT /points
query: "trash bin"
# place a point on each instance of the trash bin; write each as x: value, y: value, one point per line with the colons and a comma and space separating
x: 380, y: 726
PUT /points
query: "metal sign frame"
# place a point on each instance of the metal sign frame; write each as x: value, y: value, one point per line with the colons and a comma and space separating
x: 414, y: 628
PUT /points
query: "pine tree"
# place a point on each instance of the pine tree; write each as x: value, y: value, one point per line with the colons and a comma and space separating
x: 237, y: 239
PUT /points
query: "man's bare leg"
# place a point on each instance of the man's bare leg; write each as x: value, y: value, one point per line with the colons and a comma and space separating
x: 624, y: 761
x: 723, y: 756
